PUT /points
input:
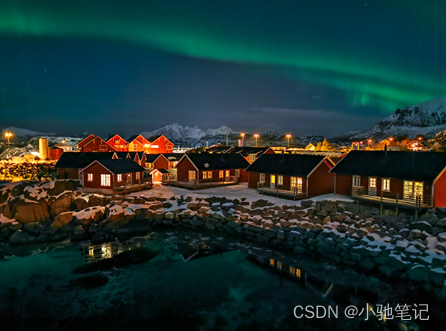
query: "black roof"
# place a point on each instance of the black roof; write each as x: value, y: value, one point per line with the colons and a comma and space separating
x: 78, y: 160
x: 399, y: 165
x: 245, y: 151
x: 121, y: 166
x: 218, y: 161
x: 299, y: 165
x: 153, y: 138
x: 173, y: 156
x: 150, y: 158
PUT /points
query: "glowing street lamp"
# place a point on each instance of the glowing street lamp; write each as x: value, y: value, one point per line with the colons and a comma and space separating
x: 63, y: 141
x: 369, y: 141
x: 288, y: 137
x: 256, y: 136
x: 419, y: 138
x: 243, y: 139
x: 8, y: 135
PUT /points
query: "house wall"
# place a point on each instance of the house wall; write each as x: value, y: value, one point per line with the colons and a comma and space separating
x: 120, y: 146
x: 161, y: 145
x: 135, y: 146
x: 55, y: 153
x: 321, y: 181
x: 343, y: 184
x: 97, y: 145
x: 183, y: 168
x: 96, y: 169
x: 440, y: 191
x: 254, y: 178
x: 68, y: 173
x: 161, y: 163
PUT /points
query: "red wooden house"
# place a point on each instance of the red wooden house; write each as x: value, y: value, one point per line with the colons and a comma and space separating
x: 159, y: 144
x: 206, y: 167
x: 411, y: 179
x: 94, y: 143
x: 138, y: 143
x: 118, y: 143
x: 156, y: 161
x: 296, y: 175
x: 110, y: 175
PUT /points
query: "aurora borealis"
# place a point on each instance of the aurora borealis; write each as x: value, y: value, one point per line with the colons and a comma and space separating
x: 317, y: 66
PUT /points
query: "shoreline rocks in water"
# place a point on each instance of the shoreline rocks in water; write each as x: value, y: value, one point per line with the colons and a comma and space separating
x: 341, y: 231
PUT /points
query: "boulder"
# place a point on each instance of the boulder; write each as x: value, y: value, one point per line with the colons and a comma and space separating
x: 20, y: 238
x: 419, y: 273
x: 28, y: 211
x: 63, y: 219
x: 441, y: 223
x: 422, y: 226
x: 61, y: 203
x: 429, y: 218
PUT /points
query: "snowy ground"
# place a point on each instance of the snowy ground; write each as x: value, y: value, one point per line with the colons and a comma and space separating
x: 230, y: 192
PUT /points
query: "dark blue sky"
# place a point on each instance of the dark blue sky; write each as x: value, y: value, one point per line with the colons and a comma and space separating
x: 320, y: 66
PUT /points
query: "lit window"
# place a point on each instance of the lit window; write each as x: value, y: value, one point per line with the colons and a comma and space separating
x: 252, y: 157
x: 116, y: 141
x: 271, y: 261
x: 119, y: 178
x: 209, y: 174
x: 103, y: 147
x: 280, y: 180
x: 356, y: 181
x: 135, y: 147
x: 90, y: 177
x: 192, y: 175
x: 372, y: 182
x: 137, y: 175
x: 221, y: 174
x: 169, y: 147
x: 205, y: 174
x: 273, y: 179
x: 228, y: 173
x: 105, y: 180
x: 386, y: 184
x: 279, y: 264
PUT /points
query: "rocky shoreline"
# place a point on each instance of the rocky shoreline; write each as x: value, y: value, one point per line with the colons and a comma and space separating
x: 33, y: 212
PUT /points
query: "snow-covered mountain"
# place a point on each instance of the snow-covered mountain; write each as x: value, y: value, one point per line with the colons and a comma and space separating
x: 176, y: 131
x: 23, y: 134
x: 426, y: 118
x: 223, y: 130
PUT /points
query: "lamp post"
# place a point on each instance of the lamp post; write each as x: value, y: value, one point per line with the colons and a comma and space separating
x: 63, y: 141
x: 369, y: 141
x: 243, y: 139
x: 8, y: 134
x: 256, y: 136
x: 288, y: 137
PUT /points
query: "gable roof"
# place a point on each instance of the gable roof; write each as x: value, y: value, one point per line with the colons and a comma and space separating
x: 85, y: 140
x: 119, y: 166
x: 424, y: 166
x: 299, y: 165
x: 150, y: 158
x: 114, y: 135
x: 217, y: 161
x: 78, y: 160
x: 246, y: 151
x: 172, y: 157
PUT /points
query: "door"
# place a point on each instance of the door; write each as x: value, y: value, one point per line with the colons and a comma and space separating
x: 156, y: 177
x: 192, y: 175
x: 294, y: 184
x: 272, y: 183
x: 408, y: 190
x: 262, y: 178
x: 372, y: 186
x: 418, y: 189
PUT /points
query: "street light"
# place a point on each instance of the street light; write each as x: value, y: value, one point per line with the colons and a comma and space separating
x: 8, y: 134
x: 63, y: 141
x: 256, y: 136
x: 369, y: 141
x: 243, y: 139
x: 288, y: 137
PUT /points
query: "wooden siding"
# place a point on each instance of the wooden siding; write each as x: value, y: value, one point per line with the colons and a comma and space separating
x: 96, y: 169
x: 183, y: 168
x: 321, y: 181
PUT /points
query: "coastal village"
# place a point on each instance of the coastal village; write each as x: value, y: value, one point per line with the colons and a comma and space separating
x: 375, y: 209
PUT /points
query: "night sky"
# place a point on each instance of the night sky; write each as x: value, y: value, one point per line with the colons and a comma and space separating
x: 308, y: 67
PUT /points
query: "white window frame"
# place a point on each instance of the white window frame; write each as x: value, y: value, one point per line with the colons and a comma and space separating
x: 356, y: 181
x: 119, y: 178
x: 252, y: 157
x: 105, y: 180
x: 262, y: 178
x: 89, y: 177
x: 385, y: 185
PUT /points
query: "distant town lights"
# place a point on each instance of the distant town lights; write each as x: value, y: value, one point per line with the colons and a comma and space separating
x: 288, y: 137
x: 256, y: 136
